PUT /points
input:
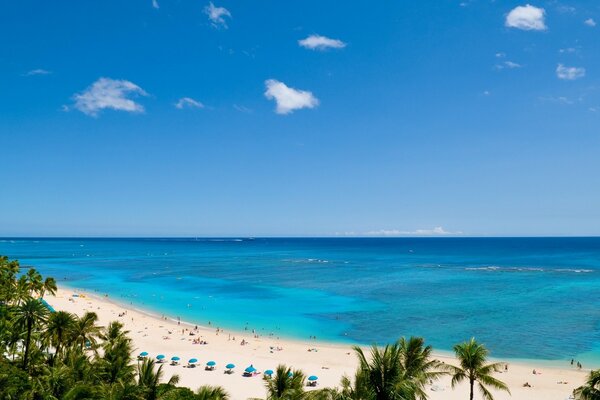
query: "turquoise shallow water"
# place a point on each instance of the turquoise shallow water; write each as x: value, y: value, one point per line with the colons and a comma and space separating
x: 530, y: 298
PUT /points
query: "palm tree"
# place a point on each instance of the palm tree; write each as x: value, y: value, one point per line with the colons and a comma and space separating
x: 208, y: 392
x: 85, y: 330
x: 59, y: 327
x: 357, y: 390
x: 116, y: 364
x: 591, y: 389
x: 28, y: 315
x: 418, y: 367
x: 34, y: 280
x: 149, y: 378
x: 49, y: 286
x: 383, y: 373
x: 472, y: 357
x: 286, y: 384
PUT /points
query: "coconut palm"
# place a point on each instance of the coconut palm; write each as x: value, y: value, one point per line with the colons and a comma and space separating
x: 418, y: 367
x: 383, y: 373
x: 34, y: 280
x: 48, y: 286
x: 208, y: 392
x: 285, y: 384
x: 85, y: 330
x: 115, y: 363
x: 591, y: 389
x: 28, y: 315
x: 355, y: 390
x: 59, y: 327
x: 149, y: 378
x: 472, y: 357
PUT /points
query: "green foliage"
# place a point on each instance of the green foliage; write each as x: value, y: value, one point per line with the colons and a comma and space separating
x: 59, y: 356
x: 591, y: 389
x: 472, y: 357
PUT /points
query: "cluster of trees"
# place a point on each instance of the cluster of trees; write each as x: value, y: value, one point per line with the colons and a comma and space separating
x: 61, y: 356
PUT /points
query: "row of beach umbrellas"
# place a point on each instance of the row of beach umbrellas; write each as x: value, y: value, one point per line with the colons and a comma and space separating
x: 250, y: 369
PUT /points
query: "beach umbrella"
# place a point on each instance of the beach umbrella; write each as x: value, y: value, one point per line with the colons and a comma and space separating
x: 269, y: 372
x: 143, y: 354
x: 290, y: 374
x: 160, y: 357
x: 175, y: 358
x: 313, y: 378
x: 193, y: 361
x: 230, y: 366
x: 250, y: 369
x: 211, y: 363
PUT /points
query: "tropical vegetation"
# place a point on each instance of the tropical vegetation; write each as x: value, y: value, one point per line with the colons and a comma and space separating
x: 56, y: 355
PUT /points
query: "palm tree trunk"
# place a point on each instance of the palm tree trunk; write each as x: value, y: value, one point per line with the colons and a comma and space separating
x: 471, y: 383
x: 27, y: 341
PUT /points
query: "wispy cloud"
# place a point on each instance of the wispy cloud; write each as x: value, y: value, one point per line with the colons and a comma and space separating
x: 111, y: 94
x: 318, y: 42
x: 437, y: 231
x: 188, y: 102
x: 288, y: 99
x: 508, y: 65
x: 242, y: 109
x: 155, y: 4
x: 569, y: 73
x: 217, y: 15
x: 38, y: 71
x: 568, y: 50
x: 590, y: 22
x: 526, y: 17
x: 558, y: 99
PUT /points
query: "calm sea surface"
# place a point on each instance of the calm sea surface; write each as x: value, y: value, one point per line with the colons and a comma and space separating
x: 536, y: 298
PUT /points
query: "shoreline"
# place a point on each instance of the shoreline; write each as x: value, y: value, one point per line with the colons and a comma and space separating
x: 546, y: 363
x: 330, y: 361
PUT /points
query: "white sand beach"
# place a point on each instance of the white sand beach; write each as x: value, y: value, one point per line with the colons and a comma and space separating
x: 327, y: 361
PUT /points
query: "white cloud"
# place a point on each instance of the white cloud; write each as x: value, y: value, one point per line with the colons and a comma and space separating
x: 590, y: 22
x: 437, y: 231
x: 318, y: 42
x: 216, y: 15
x: 527, y: 18
x: 108, y: 93
x: 242, y: 109
x: 569, y: 73
x: 188, y: 102
x: 568, y: 50
x: 38, y: 71
x: 155, y: 4
x: 288, y: 99
x: 559, y: 100
x: 566, y: 9
x: 509, y: 65
x: 500, y: 55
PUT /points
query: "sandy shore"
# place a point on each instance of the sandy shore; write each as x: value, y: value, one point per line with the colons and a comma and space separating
x: 329, y: 362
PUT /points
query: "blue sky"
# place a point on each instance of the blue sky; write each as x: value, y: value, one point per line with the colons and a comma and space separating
x: 185, y: 117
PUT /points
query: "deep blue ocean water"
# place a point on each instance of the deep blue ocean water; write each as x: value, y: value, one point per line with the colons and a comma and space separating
x: 534, y: 298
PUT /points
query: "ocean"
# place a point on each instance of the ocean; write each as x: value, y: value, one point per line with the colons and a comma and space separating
x: 525, y: 298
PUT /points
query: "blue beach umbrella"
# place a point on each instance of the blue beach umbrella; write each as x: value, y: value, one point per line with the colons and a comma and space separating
x: 250, y: 369
x: 269, y: 372
x: 143, y: 354
x: 313, y: 378
x: 193, y: 361
x: 230, y: 366
x: 160, y: 357
x: 175, y: 358
x: 290, y: 374
x: 211, y: 363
